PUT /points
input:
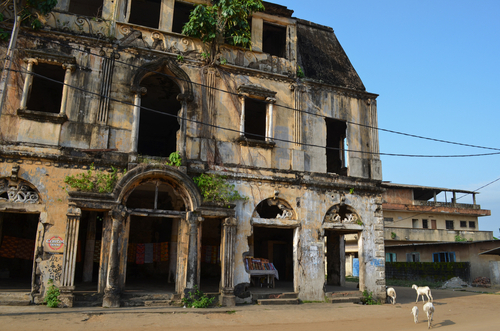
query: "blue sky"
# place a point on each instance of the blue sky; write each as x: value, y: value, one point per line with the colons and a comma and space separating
x: 436, y: 67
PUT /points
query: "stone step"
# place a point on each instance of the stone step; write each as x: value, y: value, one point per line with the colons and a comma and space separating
x: 276, y: 295
x: 290, y: 301
x: 343, y: 294
x: 352, y: 299
x: 15, y: 298
x: 161, y: 303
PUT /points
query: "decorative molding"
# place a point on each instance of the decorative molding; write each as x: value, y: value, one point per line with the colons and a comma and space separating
x: 256, y: 90
x: 21, y: 193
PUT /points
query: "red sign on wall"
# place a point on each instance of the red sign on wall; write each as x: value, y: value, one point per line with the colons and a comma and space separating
x: 55, y: 243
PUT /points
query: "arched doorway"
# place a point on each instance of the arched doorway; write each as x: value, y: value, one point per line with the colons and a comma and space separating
x: 158, y: 124
x: 18, y: 234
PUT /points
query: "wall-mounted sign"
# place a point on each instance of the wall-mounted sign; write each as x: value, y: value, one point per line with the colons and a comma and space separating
x: 55, y: 243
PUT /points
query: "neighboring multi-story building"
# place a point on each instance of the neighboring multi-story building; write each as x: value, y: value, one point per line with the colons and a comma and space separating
x: 136, y: 90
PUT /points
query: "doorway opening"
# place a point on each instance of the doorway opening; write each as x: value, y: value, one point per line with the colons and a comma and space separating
x: 158, y: 124
x: 17, y: 248
x: 210, y: 259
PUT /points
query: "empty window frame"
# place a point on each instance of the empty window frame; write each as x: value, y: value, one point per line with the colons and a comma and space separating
x: 256, y: 122
x: 450, y: 225
x: 443, y: 257
x: 472, y: 224
x: 181, y: 15
x: 413, y: 257
x: 390, y: 257
x: 335, y: 146
x: 425, y: 224
x: 274, y: 39
x: 414, y: 223
x: 45, y: 87
x: 463, y: 224
x: 388, y: 219
x: 255, y: 119
x: 92, y: 8
x: 145, y: 13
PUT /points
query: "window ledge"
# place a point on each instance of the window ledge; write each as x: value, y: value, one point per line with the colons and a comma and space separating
x: 41, y: 116
x: 243, y: 141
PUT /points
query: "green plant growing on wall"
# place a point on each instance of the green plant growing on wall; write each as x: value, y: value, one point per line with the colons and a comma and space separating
x: 300, y: 73
x: 393, y: 235
x: 30, y: 11
x: 52, y: 295
x: 368, y: 299
x: 180, y: 58
x: 459, y: 238
x: 197, y: 299
x: 174, y: 159
x: 215, y: 188
x: 222, y: 21
x: 94, y: 180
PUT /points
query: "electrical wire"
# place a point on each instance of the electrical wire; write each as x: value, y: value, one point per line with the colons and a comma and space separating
x: 279, y: 105
x: 241, y: 132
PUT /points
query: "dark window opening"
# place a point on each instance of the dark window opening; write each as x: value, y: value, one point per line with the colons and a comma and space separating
x: 210, y: 264
x: 145, y: 13
x: 472, y: 224
x: 155, y: 196
x: 255, y: 119
x: 276, y: 245
x: 335, y: 139
x: 388, y: 219
x: 390, y: 257
x: 158, y: 129
x: 425, y: 224
x: 412, y: 257
x: 92, y: 8
x: 274, y: 40
x: 181, y: 15
x: 45, y: 94
x: 463, y: 224
x: 443, y: 257
x: 17, y: 249
x: 414, y: 223
x: 449, y: 225
x: 270, y: 208
x: 89, y: 247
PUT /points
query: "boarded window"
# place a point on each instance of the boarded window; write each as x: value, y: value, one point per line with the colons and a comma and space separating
x: 274, y: 40
x: 46, y: 89
x: 92, y: 8
x: 145, y: 13
x: 181, y: 15
x: 450, y: 225
x: 335, y: 138
x: 255, y: 119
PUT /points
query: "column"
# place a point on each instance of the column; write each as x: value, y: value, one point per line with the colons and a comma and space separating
x: 194, y: 222
x: 270, y: 116
x: 228, y: 248
x: 69, y: 257
x: 27, y: 83
x: 113, y: 290
x: 64, y: 101
x: 136, y: 117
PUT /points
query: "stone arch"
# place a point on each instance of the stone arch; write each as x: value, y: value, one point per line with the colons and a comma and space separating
x: 169, y: 67
x: 274, y: 208
x: 342, y: 214
x: 179, y: 181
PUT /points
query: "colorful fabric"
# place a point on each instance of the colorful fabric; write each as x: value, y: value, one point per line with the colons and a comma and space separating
x: 141, y: 254
x: 9, y: 247
x: 164, y: 251
x: 25, y: 249
x: 132, y: 249
x: 149, y: 254
x: 156, y: 252
x: 97, y: 251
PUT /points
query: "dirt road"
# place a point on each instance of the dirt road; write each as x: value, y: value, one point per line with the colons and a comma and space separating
x: 454, y: 311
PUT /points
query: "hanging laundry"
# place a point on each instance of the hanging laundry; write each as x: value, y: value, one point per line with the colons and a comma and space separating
x: 164, y: 251
x: 9, y: 247
x: 25, y: 249
x: 156, y: 252
x: 149, y: 253
x: 140, y: 256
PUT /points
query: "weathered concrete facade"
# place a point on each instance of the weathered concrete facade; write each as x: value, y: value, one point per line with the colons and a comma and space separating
x: 303, y: 150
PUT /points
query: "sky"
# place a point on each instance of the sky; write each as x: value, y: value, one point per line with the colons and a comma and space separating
x: 436, y: 68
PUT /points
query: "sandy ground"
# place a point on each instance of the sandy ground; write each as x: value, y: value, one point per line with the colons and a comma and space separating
x: 455, y: 310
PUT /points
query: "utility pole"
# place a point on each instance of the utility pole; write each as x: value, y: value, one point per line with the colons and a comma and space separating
x: 8, y: 58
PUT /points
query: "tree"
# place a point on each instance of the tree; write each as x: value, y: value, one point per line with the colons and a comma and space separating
x: 224, y: 21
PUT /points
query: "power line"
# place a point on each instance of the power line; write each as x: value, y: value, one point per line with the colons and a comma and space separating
x: 241, y: 132
x: 283, y: 106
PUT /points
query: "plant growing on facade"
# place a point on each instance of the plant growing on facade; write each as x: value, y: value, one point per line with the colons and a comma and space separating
x: 31, y: 10
x: 93, y: 180
x: 300, y: 74
x: 459, y: 238
x: 393, y: 235
x: 52, y: 295
x: 368, y: 299
x: 215, y: 188
x: 180, y: 58
x: 197, y: 299
x: 222, y: 21
x: 174, y: 159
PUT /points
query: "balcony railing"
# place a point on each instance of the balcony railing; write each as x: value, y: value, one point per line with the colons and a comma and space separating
x: 445, y: 204
x: 433, y: 235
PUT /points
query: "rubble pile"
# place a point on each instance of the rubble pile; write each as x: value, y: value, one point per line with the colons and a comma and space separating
x: 455, y: 282
x: 481, y: 282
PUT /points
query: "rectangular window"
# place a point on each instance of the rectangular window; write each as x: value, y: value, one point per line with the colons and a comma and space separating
x: 450, y: 225
x: 145, y: 13
x: 388, y: 219
x: 46, y: 89
x: 414, y: 223
x: 256, y: 122
x: 443, y: 257
x: 181, y: 15
x: 92, y: 8
x: 413, y: 257
x: 390, y: 257
x: 425, y: 224
x: 472, y: 224
x: 274, y: 39
x: 463, y: 224
x: 335, y: 142
x: 255, y: 119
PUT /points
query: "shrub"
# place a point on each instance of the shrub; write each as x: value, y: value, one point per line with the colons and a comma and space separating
x: 52, y: 295
x: 215, y: 188
x: 197, y: 300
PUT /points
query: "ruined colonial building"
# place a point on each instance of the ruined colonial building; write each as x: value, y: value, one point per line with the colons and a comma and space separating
x: 113, y: 84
